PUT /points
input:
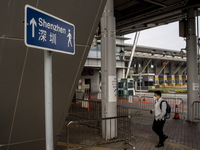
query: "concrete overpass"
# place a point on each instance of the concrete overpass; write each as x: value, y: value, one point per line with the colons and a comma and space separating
x: 158, y: 66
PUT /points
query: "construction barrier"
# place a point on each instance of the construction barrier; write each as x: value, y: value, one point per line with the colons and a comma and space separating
x: 132, y: 102
x: 91, y: 109
x: 196, y: 110
x: 146, y: 103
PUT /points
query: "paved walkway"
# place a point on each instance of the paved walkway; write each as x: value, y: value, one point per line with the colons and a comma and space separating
x: 183, y: 135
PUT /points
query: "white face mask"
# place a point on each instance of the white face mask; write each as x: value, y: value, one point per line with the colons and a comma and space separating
x: 154, y: 98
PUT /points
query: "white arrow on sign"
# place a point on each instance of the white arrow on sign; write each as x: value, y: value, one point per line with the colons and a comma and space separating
x: 33, y: 23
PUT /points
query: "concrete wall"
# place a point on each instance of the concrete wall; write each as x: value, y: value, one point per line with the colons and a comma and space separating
x: 21, y: 70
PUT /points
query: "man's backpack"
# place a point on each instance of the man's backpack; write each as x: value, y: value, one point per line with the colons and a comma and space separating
x: 168, y: 109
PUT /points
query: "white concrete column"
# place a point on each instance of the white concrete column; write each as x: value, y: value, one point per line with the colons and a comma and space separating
x: 108, y: 69
x: 95, y: 82
x: 192, y: 65
x: 121, y: 73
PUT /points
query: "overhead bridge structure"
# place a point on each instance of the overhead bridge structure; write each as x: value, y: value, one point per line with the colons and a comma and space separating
x: 22, y: 111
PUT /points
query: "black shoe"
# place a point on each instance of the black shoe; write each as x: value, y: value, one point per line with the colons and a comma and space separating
x: 159, y: 145
x: 165, y: 138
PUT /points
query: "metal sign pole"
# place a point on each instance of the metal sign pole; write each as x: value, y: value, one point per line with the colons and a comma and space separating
x: 48, y: 99
x: 39, y: 35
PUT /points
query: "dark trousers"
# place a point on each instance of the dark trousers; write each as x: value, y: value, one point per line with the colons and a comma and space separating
x: 158, y: 129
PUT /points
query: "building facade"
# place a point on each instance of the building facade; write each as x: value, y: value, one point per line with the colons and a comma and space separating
x: 151, y: 67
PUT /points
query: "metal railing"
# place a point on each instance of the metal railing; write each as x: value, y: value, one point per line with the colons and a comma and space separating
x: 196, y: 110
x: 86, y: 109
x: 87, y: 133
x: 91, y: 109
x: 177, y: 105
x: 146, y: 103
x: 132, y: 101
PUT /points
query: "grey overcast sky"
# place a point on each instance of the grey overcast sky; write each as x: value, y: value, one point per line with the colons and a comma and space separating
x: 165, y: 36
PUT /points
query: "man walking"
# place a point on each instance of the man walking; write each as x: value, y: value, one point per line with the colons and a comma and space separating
x: 159, y: 120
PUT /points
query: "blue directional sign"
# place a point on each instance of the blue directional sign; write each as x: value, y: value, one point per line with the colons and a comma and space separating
x: 45, y: 31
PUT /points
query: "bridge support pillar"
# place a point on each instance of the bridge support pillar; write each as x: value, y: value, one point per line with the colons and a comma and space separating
x: 192, y: 65
x: 108, y: 69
